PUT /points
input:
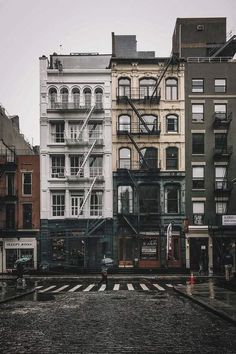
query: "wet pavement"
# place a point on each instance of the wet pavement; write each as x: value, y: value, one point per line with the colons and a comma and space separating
x: 208, y: 294
x: 9, y: 291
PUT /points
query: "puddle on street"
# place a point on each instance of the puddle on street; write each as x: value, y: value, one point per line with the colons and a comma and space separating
x: 40, y: 297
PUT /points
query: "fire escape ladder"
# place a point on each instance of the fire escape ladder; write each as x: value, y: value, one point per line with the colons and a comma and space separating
x: 95, y: 225
x: 171, y: 60
x: 132, y: 179
x: 87, y: 195
x: 10, y: 157
x: 130, y: 225
x: 139, y: 151
x: 138, y: 114
x: 86, y: 121
x: 85, y: 158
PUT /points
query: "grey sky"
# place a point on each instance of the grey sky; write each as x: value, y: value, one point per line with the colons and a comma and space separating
x: 31, y: 28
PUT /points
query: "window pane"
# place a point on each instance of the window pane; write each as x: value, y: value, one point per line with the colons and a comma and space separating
x: 197, y: 112
x: 198, y: 208
x: 171, y: 123
x: 124, y: 123
x: 27, y: 183
x: 221, y: 207
x: 198, y: 172
x: 125, y: 199
x: 198, y: 143
x: 220, y: 85
x: 172, y: 199
x: 197, y: 85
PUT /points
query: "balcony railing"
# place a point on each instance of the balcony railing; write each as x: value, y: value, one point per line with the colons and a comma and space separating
x: 223, y: 151
x: 208, y: 59
x: 139, y: 95
x: 223, y: 186
x: 222, y: 120
x: 76, y: 106
x: 124, y: 129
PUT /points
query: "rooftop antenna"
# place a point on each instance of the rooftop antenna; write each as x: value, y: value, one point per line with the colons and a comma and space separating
x: 60, y: 49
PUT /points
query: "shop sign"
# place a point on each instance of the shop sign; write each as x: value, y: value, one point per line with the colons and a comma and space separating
x: 19, y: 244
x: 149, y: 247
x: 228, y: 220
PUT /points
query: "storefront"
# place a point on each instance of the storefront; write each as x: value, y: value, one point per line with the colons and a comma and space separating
x: 13, y: 249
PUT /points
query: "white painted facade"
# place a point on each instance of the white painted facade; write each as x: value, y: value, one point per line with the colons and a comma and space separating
x: 63, y: 146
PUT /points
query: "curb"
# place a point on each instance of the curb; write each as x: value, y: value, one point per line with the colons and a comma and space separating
x: 14, y: 297
x: 208, y: 307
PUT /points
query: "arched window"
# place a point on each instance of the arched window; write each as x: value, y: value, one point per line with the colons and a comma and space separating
x: 146, y: 87
x: 52, y: 97
x: 151, y: 123
x: 171, y: 89
x: 172, y: 196
x: 124, y: 87
x: 125, y: 199
x: 172, y: 158
x: 150, y: 155
x: 76, y: 97
x: 98, y: 98
x: 64, y: 96
x: 87, y: 97
x: 123, y: 124
x: 124, y: 158
x: 172, y: 124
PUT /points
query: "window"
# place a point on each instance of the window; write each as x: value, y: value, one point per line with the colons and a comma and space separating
x: 124, y: 158
x: 198, y: 177
x: 221, y: 141
x: 149, y: 199
x: 221, y: 207
x: 172, y: 194
x: 76, y: 200
x: 27, y: 216
x: 220, y: 111
x: 10, y: 184
x: 125, y: 199
x: 96, y: 203
x: 198, y: 143
x: 172, y: 124
x: 220, y: 177
x: 172, y: 158
x: 150, y: 155
x: 64, y: 97
x: 75, y: 163
x: 58, y: 167
x: 58, y: 250
x: 95, y: 166
x: 124, y: 87
x: 146, y: 87
x: 220, y: 85
x: 76, y: 97
x: 151, y: 123
x: 57, y: 132
x: 74, y: 131
x: 58, y: 204
x: 27, y: 183
x: 197, y: 112
x: 87, y: 98
x: 95, y: 131
x: 197, y: 85
x: 124, y: 124
x: 171, y: 89
x: 52, y: 97
x: 98, y: 98
x: 10, y: 216
x: 198, y: 213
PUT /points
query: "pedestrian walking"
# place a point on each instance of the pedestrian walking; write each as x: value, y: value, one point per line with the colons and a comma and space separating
x: 104, y: 275
x: 228, y: 263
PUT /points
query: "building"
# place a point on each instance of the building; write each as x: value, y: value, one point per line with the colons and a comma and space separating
x: 76, y: 160
x: 19, y: 195
x: 210, y: 109
x: 148, y: 136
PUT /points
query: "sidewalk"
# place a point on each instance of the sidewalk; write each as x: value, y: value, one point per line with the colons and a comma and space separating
x: 9, y: 292
x: 218, y: 300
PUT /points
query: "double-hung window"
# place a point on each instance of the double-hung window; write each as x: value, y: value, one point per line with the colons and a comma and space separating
x: 198, y: 146
x: 197, y: 112
x: 96, y: 202
x: 220, y: 111
x: 198, y: 177
x: 58, y: 204
x: 125, y: 199
x: 220, y: 85
x: 197, y: 85
x: 26, y: 183
x: 198, y: 213
x: 58, y: 167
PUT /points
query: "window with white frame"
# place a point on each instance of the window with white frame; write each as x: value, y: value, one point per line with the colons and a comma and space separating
x: 220, y: 85
x: 125, y: 199
x: 146, y: 87
x: 76, y: 201
x: 27, y: 183
x: 58, y: 132
x: 96, y: 202
x: 98, y: 98
x: 64, y: 97
x: 95, y: 131
x: 198, y: 177
x: 197, y: 85
x: 52, y: 97
x: 220, y: 177
x: 198, y: 213
x: 76, y: 97
x: 124, y: 123
x: 171, y: 89
x: 220, y: 110
x: 58, y: 204
x: 124, y: 87
x: 221, y: 207
x: 74, y: 131
x: 172, y: 123
x: 87, y: 97
x: 124, y: 158
x: 197, y: 112
x: 75, y: 163
x: 58, y: 166
x: 95, y: 166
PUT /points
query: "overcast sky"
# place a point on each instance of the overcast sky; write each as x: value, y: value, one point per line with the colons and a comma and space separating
x: 31, y: 28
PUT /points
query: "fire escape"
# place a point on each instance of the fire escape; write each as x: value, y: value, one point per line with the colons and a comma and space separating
x: 7, y: 189
x: 146, y: 171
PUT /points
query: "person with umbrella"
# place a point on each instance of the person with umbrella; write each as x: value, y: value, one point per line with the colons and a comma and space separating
x: 105, y: 264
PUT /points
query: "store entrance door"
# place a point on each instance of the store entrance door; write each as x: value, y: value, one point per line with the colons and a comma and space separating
x: 199, y: 254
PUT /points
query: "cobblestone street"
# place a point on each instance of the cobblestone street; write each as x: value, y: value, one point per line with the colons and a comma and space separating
x: 108, y: 322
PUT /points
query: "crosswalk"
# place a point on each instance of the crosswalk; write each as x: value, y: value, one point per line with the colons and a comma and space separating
x: 136, y: 286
